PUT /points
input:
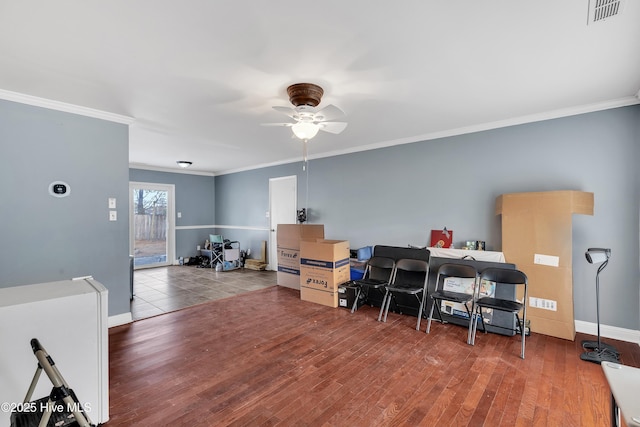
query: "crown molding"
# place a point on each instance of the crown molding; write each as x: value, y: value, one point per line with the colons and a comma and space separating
x: 63, y: 106
x: 169, y: 170
x: 267, y: 165
x: 117, y: 118
x: 531, y: 118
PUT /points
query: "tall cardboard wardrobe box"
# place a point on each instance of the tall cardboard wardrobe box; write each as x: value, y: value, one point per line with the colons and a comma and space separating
x: 537, y: 238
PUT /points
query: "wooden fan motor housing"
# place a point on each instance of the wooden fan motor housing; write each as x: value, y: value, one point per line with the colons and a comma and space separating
x: 305, y: 94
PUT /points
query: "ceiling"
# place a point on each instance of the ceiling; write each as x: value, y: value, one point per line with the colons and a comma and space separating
x: 199, y: 77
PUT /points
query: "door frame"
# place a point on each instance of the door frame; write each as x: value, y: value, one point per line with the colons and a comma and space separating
x: 171, y: 222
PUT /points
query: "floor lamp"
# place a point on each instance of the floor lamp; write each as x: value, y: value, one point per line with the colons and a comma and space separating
x: 597, y: 351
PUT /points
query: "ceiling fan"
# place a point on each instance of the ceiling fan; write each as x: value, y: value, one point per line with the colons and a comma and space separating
x: 305, y: 97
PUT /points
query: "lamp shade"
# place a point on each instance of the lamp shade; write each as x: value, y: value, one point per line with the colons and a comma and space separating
x: 305, y: 130
x: 597, y: 255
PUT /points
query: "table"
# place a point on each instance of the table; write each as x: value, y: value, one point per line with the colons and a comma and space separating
x: 489, y: 256
x: 624, y: 382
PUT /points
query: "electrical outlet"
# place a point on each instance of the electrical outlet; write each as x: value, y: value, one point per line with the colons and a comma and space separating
x: 545, y: 304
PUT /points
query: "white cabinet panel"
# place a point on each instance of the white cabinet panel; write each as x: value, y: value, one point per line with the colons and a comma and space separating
x: 69, y: 318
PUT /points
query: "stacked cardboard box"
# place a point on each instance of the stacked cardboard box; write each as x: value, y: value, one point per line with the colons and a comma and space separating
x: 254, y: 264
x: 324, y: 265
x: 258, y: 264
x: 289, y: 237
x: 537, y: 237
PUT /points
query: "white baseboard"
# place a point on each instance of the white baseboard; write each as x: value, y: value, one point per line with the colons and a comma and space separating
x: 606, y: 331
x: 120, y: 319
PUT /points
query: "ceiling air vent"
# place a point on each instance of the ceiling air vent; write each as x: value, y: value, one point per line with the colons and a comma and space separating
x: 600, y: 10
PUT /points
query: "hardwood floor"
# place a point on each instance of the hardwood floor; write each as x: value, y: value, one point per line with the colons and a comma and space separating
x: 266, y: 358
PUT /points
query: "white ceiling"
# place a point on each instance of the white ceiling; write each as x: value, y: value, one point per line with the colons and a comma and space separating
x: 200, y: 76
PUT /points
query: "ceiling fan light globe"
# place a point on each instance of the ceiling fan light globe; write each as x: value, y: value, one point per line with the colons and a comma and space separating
x: 305, y: 130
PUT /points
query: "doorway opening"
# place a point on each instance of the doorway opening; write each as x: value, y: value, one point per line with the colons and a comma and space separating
x: 152, y: 227
x: 282, y: 210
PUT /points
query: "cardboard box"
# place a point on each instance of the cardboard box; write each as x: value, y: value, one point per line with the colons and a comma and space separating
x: 328, y: 298
x: 288, y: 244
x: 466, y: 285
x: 324, y: 264
x: 255, y: 264
x: 537, y: 238
x: 258, y: 263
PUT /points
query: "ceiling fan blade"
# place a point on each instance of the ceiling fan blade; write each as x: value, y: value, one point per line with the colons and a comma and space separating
x: 330, y: 112
x: 285, y: 110
x: 277, y: 124
x: 332, y: 127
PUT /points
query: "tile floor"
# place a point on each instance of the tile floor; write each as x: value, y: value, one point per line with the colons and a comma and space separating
x: 163, y: 289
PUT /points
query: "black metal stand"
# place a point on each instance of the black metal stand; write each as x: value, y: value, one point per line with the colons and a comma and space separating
x: 599, y: 356
x: 600, y: 352
x: 592, y: 345
x: 61, y: 408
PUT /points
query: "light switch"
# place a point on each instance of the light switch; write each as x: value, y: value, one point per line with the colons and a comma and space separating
x: 113, y: 215
x: 179, y: 214
x: 112, y: 202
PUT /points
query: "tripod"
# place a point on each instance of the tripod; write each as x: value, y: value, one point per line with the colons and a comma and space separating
x: 597, y: 351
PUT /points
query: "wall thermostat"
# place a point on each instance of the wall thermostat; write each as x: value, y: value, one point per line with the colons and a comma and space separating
x: 59, y: 189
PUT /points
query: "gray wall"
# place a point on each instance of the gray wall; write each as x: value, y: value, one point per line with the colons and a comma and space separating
x: 244, y: 202
x: 388, y: 196
x: 396, y: 195
x: 48, y: 239
x: 194, y: 196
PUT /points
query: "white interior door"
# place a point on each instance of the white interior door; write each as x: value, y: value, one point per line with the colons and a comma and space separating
x: 282, y: 210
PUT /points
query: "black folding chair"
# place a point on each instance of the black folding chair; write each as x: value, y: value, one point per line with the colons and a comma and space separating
x: 503, y: 277
x: 461, y: 271
x: 409, y: 277
x: 376, y: 276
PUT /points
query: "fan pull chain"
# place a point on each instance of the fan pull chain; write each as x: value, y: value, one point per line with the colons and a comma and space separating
x: 305, y: 168
x: 306, y: 196
x: 304, y: 154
